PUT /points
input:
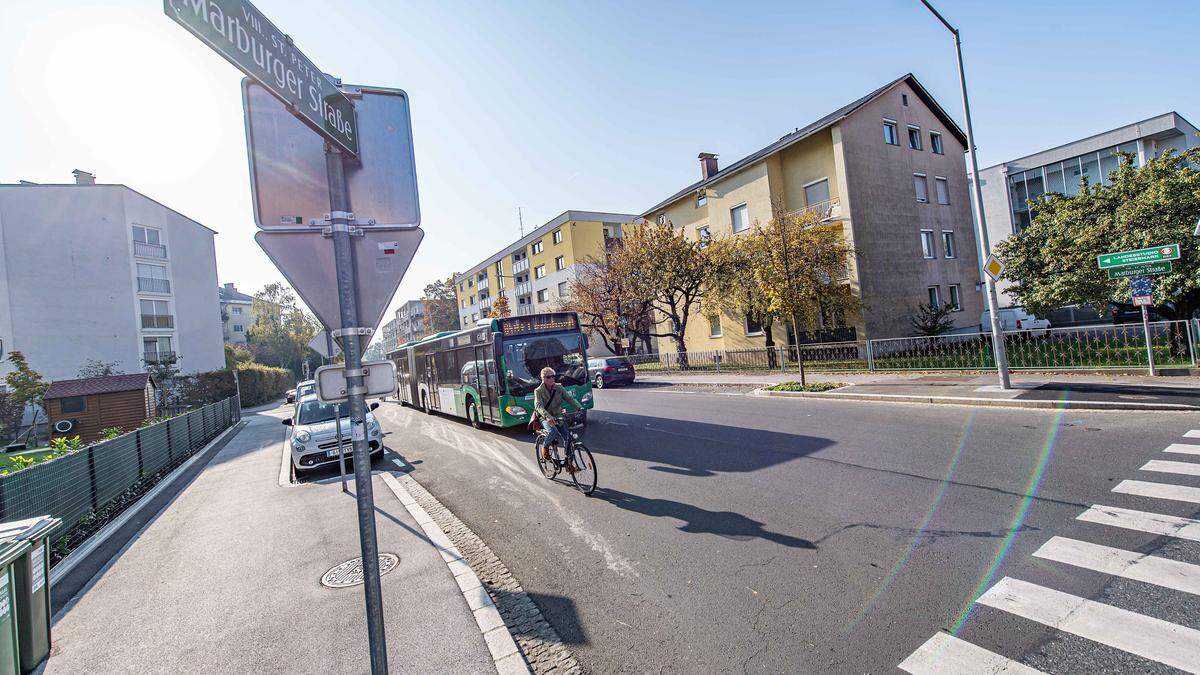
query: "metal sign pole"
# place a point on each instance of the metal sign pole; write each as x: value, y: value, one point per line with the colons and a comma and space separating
x: 1149, y: 344
x: 339, y: 208
x: 337, y: 417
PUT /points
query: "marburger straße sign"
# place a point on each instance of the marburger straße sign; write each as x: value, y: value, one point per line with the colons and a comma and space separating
x: 238, y: 31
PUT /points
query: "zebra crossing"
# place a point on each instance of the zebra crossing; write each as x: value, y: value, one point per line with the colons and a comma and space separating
x: 1146, y: 636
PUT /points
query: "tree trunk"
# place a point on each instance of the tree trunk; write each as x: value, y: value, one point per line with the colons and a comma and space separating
x: 680, y: 350
x: 772, y: 357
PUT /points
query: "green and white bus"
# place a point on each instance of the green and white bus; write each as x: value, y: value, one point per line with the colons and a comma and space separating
x: 487, y: 373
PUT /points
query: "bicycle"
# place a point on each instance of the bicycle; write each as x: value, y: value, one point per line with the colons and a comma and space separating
x: 584, y: 476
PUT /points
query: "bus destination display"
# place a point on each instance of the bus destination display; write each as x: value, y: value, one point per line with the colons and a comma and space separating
x: 538, y: 323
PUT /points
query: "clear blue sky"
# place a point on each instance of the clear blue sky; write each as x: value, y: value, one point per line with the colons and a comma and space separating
x: 561, y: 105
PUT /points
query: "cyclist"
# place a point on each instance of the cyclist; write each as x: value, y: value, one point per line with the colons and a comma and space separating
x: 548, y: 401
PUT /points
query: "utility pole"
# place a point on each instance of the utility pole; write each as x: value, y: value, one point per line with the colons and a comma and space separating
x: 981, y: 233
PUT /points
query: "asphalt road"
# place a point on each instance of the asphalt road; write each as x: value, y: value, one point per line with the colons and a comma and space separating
x: 736, y: 533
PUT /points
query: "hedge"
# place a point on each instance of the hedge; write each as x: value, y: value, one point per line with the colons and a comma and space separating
x: 259, y: 384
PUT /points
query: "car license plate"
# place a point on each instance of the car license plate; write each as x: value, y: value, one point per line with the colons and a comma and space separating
x: 331, y: 453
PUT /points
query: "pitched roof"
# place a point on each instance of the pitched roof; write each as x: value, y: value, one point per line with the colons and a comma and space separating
x: 227, y: 295
x: 90, y: 386
x: 823, y: 123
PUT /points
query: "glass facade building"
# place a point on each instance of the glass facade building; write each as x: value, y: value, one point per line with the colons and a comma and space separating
x: 1063, y: 177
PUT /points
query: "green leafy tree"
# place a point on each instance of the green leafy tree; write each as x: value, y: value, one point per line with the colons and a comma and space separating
x: 236, y: 355
x: 441, y: 306
x: 95, y: 368
x: 928, y: 320
x: 1052, y: 262
x: 25, y: 387
x: 735, y: 292
x: 281, y: 331
x: 608, y: 304
x: 500, y: 308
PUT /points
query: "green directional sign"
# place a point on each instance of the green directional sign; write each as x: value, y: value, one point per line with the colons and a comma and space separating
x: 1142, y: 255
x: 1145, y: 269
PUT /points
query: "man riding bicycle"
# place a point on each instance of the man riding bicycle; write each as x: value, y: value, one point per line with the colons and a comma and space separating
x: 548, y: 401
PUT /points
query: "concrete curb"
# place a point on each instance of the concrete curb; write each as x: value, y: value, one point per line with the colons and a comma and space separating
x: 64, y: 566
x: 984, y: 402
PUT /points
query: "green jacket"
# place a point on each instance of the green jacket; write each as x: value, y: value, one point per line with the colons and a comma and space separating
x: 549, y: 403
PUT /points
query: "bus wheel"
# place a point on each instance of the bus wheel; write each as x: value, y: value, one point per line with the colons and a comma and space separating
x: 473, y: 413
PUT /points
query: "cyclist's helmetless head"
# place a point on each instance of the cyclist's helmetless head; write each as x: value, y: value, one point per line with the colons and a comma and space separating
x: 548, y: 374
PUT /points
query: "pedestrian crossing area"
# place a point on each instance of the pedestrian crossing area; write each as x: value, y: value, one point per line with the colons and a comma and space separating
x: 1148, y: 637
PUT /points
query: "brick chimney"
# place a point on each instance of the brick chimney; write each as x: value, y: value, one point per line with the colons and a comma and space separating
x: 231, y: 288
x: 708, y: 165
x: 83, y: 177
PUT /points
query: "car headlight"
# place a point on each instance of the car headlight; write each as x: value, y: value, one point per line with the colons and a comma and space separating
x: 302, y: 436
x: 515, y: 411
x: 374, y: 428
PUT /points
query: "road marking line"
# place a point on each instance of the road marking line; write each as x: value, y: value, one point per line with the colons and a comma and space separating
x: 1143, y: 521
x: 1137, y: 566
x: 1167, y: 466
x: 944, y: 653
x: 1143, y: 488
x: 1146, y: 636
x: 1194, y: 433
x: 1183, y: 448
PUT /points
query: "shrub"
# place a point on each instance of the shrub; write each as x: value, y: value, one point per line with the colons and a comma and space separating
x: 262, y: 384
x: 811, y: 386
x: 110, y: 433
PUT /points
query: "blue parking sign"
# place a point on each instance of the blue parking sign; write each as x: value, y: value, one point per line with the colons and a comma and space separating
x: 1141, y: 288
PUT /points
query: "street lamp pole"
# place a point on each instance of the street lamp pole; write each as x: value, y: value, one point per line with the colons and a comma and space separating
x: 981, y: 233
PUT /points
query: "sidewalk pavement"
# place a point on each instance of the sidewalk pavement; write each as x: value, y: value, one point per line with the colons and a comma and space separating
x: 227, y: 579
x: 1032, y: 390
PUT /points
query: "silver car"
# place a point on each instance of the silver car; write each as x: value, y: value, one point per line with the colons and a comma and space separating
x: 314, y: 438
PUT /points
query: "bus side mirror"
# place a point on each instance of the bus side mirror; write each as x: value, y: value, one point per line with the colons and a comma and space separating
x: 375, y: 405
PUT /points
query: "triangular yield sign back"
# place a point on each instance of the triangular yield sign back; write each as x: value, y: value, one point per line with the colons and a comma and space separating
x: 381, y: 257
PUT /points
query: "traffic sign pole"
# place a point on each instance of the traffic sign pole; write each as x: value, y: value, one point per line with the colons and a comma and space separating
x: 343, y: 252
x: 1149, y: 344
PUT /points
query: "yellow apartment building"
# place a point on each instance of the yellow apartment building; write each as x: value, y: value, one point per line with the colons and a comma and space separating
x: 534, y: 271
x: 890, y: 169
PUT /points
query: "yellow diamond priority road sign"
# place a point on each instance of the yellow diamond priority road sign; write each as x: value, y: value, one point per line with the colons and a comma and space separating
x: 994, y: 267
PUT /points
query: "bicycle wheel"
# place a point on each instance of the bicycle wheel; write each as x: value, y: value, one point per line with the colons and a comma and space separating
x: 585, y: 474
x: 548, y: 468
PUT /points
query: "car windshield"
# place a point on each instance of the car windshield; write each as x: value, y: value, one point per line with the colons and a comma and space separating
x: 313, y: 411
x: 524, y: 358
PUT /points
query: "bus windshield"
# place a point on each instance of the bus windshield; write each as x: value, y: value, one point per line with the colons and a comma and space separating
x: 524, y: 358
x: 313, y: 411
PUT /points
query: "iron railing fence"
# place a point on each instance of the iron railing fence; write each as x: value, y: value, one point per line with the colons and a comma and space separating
x: 153, y: 285
x: 78, y: 484
x: 149, y: 250
x: 1104, y: 347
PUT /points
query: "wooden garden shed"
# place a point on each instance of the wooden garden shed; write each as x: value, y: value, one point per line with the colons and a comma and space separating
x: 89, y: 405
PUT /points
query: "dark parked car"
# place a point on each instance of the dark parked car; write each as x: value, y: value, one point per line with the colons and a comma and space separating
x: 609, y: 371
x: 1123, y: 312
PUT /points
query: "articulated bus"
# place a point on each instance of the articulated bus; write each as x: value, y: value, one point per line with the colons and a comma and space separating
x: 487, y: 373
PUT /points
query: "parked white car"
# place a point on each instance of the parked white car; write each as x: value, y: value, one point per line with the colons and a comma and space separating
x: 314, y: 438
x: 305, y: 388
x: 1014, y: 319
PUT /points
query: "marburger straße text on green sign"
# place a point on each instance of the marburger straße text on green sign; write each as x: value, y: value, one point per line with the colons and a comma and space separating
x: 1142, y: 255
x: 236, y: 30
x: 1145, y: 269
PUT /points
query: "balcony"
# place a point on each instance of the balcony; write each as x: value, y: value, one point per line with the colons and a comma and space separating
x: 524, y: 289
x: 158, y: 321
x: 485, y: 303
x: 520, y: 266
x: 524, y: 310
x: 150, y: 285
x: 828, y: 210
x: 160, y: 357
x: 149, y: 250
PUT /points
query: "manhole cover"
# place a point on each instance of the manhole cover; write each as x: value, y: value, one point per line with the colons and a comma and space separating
x: 350, y: 573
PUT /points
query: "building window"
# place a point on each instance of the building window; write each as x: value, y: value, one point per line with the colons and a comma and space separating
x: 73, y: 404
x: 471, y: 283
x: 943, y: 192
x: 146, y: 235
x: 922, y: 187
x: 817, y: 192
x: 935, y: 143
x: 662, y: 219
x: 472, y: 300
x: 753, y: 327
x: 914, y: 137
x: 156, y: 314
x: 543, y: 295
x: 562, y: 289
x: 737, y: 216
x: 703, y: 236
x: 239, y: 328
x: 557, y: 236
x: 927, y: 249
x: 948, y: 244
x: 539, y: 271
x: 955, y: 298
x: 701, y: 198
x: 714, y: 326
x: 537, y: 246
x: 889, y: 133
x: 934, y: 298
x: 152, y: 279
x: 904, y: 99
x: 560, y: 263
x: 499, y: 270
x: 236, y: 311
x: 474, y: 317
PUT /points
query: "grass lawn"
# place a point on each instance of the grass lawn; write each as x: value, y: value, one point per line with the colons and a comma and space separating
x: 7, y: 464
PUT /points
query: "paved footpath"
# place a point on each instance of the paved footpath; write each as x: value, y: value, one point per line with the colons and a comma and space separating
x: 227, y: 579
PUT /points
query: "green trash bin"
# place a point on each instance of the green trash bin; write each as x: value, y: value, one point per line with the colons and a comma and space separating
x: 31, y: 577
x: 10, y: 551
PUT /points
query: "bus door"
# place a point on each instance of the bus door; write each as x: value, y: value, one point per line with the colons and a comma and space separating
x: 486, y: 383
x: 431, y: 379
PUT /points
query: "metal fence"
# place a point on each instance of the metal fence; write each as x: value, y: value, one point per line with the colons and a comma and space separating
x: 1106, y: 347
x: 73, y: 486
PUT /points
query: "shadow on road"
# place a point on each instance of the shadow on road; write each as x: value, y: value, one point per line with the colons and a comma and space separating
x: 697, y: 520
x: 1085, y: 391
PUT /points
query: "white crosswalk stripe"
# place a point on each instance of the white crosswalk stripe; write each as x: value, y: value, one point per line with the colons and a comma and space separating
x: 1143, y: 521
x: 1194, y: 433
x: 947, y: 655
x: 1167, y: 466
x: 1183, y: 448
x: 1150, y: 569
x: 1148, y: 637
x: 1143, y: 488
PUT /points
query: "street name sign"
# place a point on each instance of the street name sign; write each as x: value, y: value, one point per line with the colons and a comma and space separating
x: 1145, y: 269
x: 287, y: 161
x: 306, y: 259
x: 379, y: 380
x: 236, y: 30
x: 1141, y: 255
x: 994, y: 267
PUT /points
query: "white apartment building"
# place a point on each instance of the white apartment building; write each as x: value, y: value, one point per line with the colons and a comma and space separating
x: 410, y: 321
x: 100, y: 271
